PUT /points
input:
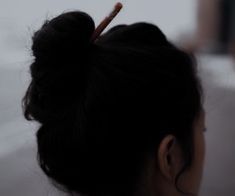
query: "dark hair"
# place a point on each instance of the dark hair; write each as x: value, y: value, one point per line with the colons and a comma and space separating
x: 105, y: 106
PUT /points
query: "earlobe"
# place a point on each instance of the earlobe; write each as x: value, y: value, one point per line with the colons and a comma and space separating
x: 167, y: 154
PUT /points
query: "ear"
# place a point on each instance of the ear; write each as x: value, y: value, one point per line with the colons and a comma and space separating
x: 169, y: 157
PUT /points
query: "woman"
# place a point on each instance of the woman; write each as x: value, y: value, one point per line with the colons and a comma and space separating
x: 121, y: 115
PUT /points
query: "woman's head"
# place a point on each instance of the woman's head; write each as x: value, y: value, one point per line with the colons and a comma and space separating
x: 122, y: 115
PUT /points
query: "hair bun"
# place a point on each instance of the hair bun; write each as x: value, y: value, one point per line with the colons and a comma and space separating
x: 65, y: 34
x: 60, y: 49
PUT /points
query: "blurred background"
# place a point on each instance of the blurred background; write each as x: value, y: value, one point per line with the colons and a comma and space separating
x: 205, y: 27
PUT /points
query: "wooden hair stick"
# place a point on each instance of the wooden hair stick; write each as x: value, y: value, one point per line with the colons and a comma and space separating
x: 100, y: 28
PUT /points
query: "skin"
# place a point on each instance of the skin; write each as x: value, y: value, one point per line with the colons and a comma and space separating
x: 162, y: 170
x: 192, y: 177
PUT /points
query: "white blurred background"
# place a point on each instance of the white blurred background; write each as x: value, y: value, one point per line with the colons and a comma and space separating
x: 19, y: 172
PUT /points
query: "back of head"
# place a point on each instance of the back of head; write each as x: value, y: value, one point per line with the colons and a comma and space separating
x: 104, y: 106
